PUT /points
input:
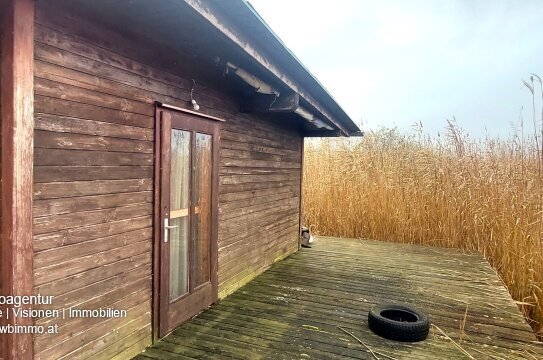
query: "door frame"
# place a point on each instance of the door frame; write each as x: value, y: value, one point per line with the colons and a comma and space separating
x: 157, y: 214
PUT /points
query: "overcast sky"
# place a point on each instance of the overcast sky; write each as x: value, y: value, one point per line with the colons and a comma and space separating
x: 395, y: 62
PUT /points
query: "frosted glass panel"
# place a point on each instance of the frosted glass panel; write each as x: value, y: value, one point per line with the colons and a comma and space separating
x: 202, y: 201
x: 179, y: 214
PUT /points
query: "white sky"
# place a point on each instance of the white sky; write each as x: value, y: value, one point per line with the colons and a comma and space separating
x: 395, y: 62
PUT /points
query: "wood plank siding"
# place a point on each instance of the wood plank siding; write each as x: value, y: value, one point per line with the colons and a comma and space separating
x: 93, y: 183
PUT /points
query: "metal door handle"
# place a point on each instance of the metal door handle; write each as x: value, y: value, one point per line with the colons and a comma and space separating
x: 166, y: 228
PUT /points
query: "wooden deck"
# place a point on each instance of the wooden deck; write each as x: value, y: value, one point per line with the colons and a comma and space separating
x: 294, y: 309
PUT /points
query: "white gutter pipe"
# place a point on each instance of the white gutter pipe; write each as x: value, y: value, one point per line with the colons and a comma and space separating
x: 312, y: 119
x: 259, y: 85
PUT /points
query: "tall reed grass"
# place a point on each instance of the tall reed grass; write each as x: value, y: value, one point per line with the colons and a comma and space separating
x: 484, y: 195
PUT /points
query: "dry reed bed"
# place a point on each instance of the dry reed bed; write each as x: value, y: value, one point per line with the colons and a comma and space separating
x: 485, y: 196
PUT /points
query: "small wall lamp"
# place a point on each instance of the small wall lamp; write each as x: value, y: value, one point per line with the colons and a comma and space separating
x: 195, y: 105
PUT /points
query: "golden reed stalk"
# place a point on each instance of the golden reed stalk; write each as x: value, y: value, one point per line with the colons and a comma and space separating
x: 450, y: 191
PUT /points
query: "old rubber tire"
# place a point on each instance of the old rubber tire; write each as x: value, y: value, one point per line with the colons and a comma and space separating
x: 398, y: 322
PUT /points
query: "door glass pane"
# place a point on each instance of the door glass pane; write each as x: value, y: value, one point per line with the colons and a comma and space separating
x: 202, y: 209
x: 179, y: 213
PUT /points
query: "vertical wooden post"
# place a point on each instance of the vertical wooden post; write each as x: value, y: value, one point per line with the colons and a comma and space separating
x: 17, y: 109
x: 157, y: 225
x: 301, y: 207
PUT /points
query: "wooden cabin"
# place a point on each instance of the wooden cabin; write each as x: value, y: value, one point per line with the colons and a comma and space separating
x: 151, y: 162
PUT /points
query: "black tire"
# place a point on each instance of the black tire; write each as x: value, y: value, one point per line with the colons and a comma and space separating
x: 398, y: 322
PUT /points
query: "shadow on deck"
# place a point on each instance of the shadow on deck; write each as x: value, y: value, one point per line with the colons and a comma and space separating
x: 294, y: 309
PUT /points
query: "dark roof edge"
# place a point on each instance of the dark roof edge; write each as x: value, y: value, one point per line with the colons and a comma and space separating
x: 232, y: 18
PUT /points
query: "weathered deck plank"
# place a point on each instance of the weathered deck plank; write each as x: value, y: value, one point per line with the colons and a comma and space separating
x: 294, y: 309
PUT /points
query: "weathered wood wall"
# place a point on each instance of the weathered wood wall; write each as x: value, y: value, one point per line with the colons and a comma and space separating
x: 92, y: 199
x: 93, y: 183
x: 259, y: 200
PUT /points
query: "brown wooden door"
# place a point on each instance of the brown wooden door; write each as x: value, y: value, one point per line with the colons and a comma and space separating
x: 188, y: 207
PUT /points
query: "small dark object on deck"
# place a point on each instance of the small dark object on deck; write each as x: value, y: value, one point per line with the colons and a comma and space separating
x: 398, y: 322
x: 305, y: 236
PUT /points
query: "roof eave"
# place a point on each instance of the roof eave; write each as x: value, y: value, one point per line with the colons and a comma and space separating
x: 317, y: 95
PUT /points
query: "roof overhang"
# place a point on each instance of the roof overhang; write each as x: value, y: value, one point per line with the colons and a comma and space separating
x: 227, y: 37
x: 238, y: 21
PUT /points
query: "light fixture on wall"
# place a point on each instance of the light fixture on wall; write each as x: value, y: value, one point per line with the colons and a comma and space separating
x: 195, y: 105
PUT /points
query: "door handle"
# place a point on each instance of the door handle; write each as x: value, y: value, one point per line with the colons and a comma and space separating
x: 167, y: 227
